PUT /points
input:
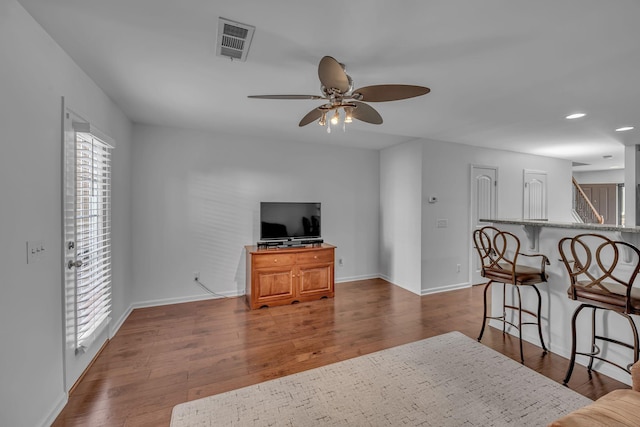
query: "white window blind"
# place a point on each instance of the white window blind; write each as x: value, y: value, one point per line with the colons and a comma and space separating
x: 91, y: 215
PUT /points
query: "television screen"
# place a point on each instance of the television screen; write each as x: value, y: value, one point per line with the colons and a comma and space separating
x: 289, y: 220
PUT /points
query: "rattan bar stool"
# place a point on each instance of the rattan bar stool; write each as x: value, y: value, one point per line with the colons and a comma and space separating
x: 600, y: 280
x: 499, y: 252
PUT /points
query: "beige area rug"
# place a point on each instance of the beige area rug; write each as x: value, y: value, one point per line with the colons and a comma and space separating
x: 447, y: 380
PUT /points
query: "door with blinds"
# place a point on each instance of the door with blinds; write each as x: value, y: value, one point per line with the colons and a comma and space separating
x: 87, y: 241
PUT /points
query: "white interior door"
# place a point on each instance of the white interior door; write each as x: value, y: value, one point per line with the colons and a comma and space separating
x: 484, y: 205
x: 535, y: 195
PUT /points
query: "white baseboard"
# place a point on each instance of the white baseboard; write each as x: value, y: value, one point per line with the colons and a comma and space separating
x: 113, y: 329
x: 385, y: 277
x: 223, y: 294
x: 57, y: 408
x: 179, y: 300
x: 446, y: 288
x: 356, y: 278
x: 429, y: 291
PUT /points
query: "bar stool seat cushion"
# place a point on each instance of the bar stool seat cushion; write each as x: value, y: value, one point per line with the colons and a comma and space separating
x: 525, y: 275
x: 611, y: 294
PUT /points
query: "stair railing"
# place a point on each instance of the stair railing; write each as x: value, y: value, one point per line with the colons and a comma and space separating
x: 583, y: 206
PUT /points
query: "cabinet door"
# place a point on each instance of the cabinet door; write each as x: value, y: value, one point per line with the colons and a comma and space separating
x: 316, y: 279
x: 273, y: 283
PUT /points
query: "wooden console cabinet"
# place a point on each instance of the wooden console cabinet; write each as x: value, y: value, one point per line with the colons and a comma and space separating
x: 286, y: 275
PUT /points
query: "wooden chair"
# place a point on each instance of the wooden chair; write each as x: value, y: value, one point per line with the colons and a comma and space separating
x: 601, y: 281
x: 499, y: 253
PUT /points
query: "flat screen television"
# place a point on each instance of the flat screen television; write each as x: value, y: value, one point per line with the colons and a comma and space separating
x: 289, y: 220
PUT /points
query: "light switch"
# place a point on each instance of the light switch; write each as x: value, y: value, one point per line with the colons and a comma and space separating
x: 35, y: 251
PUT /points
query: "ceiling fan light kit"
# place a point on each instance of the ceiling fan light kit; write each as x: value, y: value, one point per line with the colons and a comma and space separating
x: 337, y: 88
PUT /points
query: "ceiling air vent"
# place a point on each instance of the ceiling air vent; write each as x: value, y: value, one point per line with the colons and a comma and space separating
x: 234, y: 39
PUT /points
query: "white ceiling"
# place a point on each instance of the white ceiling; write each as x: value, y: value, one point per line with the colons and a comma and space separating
x: 503, y: 73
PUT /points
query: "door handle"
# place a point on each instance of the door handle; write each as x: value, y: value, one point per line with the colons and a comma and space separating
x: 73, y: 263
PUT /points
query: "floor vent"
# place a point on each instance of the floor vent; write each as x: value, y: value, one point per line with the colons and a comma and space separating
x: 234, y: 39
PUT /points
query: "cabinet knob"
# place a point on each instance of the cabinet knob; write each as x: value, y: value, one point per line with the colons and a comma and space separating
x: 315, y: 257
x: 275, y: 260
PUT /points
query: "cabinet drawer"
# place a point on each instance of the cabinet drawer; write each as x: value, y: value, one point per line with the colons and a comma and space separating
x: 315, y: 257
x: 272, y: 260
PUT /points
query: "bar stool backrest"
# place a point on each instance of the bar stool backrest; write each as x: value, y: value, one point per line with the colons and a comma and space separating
x: 498, y: 249
x: 600, y: 269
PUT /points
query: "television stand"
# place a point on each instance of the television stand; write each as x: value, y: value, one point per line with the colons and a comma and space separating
x: 289, y: 274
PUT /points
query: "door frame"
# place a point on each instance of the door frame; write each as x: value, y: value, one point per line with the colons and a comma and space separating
x: 74, y: 363
x: 472, y: 253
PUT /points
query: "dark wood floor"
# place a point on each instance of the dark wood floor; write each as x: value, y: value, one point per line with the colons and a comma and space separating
x: 163, y: 356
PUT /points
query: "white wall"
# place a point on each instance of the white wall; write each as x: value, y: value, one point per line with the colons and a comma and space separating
x: 611, y: 176
x: 446, y: 172
x: 631, y: 181
x: 196, y: 205
x: 34, y: 75
x: 401, y: 231
x: 408, y: 180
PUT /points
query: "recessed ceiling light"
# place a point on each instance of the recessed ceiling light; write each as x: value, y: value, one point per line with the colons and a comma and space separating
x: 575, y: 116
x: 622, y: 129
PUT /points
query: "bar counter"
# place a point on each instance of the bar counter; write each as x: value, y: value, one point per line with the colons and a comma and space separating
x: 532, y: 229
x: 541, y: 236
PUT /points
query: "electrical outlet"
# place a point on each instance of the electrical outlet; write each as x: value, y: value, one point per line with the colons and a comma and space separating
x: 458, y: 268
x: 340, y: 262
x: 442, y: 223
x: 196, y: 276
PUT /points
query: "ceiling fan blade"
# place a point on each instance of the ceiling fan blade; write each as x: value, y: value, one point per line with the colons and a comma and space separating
x: 366, y: 113
x: 311, y: 116
x: 381, y: 93
x: 286, y: 96
x: 332, y: 75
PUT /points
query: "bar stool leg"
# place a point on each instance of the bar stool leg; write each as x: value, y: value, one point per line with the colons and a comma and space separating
x: 504, y: 308
x: 520, y: 323
x: 593, y: 339
x: 572, y: 361
x: 484, y: 313
x: 544, y: 348
x: 636, y: 345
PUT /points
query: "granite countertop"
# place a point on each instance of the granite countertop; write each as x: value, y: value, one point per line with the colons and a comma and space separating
x: 571, y: 225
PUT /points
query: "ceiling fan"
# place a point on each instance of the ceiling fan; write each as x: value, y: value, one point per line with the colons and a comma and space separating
x: 337, y: 88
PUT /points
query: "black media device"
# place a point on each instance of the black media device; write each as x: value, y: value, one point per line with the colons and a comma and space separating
x: 289, y: 223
